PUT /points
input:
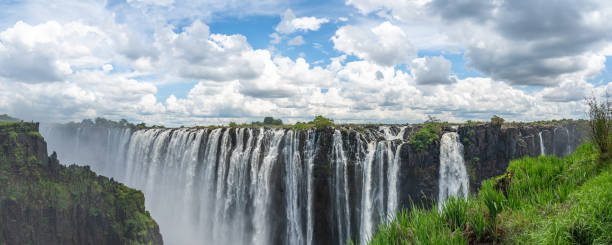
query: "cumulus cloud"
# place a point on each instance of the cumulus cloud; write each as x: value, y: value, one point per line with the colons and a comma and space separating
x: 384, y: 44
x: 197, y: 54
x: 289, y: 23
x: 46, y: 52
x: 533, y: 42
x: 431, y: 70
x: 101, y: 68
x: 570, y: 90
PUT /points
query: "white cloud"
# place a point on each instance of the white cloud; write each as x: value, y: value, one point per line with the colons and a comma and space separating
x: 289, y: 23
x: 197, y: 54
x: 431, y: 70
x: 570, y: 90
x: 385, y: 44
x: 276, y: 39
x: 296, y: 41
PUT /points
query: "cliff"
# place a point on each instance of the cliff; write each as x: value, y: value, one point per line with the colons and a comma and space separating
x: 293, y: 186
x: 43, y: 202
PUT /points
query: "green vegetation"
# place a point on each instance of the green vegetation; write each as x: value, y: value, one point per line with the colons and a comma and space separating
x: 427, y: 135
x: 322, y: 122
x: 545, y: 200
x: 268, y: 121
x: 497, y: 121
x: 35, y: 187
x: 600, y: 124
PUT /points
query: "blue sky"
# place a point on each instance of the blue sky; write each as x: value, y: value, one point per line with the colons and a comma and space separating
x: 211, y: 62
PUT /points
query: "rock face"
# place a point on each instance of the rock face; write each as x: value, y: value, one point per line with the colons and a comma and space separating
x: 285, y: 186
x: 43, y: 202
x: 489, y: 149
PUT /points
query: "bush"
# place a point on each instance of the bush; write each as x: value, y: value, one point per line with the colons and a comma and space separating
x: 321, y: 122
x: 233, y: 124
x: 272, y: 121
x: 600, y: 124
x: 427, y: 135
x: 497, y: 121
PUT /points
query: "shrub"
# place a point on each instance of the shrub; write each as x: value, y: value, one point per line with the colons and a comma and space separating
x: 322, y: 122
x: 427, y: 135
x: 497, y: 121
x: 600, y: 124
x: 272, y: 121
x: 233, y: 124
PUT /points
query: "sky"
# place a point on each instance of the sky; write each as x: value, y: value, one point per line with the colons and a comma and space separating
x: 175, y: 62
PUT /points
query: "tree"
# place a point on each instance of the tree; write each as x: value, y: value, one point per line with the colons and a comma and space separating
x: 497, y: 121
x: 322, y: 122
x: 600, y: 124
x: 272, y: 121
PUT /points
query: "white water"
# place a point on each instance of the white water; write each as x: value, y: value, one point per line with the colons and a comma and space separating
x: 453, y: 174
x: 542, y: 149
x: 246, y: 186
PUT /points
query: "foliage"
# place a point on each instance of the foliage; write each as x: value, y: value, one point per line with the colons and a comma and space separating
x: 497, y: 121
x: 545, y: 200
x: 268, y: 121
x: 321, y: 122
x: 67, y: 190
x: 600, y: 124
x: 427, y: 135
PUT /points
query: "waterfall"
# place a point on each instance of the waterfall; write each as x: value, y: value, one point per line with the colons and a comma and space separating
x: 542, y: 149
x: 310, y: 152
x: 393, y: 176
x: 341, y: 188
x: 453, y: 174
x: 246, y: 185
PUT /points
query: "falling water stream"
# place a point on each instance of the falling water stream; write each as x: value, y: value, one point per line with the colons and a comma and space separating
x: 260, y: 185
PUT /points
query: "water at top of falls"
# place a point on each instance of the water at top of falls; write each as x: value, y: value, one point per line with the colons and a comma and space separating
x: 542, y: 149
x: 453, y: 179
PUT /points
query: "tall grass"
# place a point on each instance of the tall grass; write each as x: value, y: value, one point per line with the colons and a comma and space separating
x: 544, y: 200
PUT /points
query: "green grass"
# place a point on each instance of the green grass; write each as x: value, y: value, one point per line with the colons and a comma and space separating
x: 545, y: 200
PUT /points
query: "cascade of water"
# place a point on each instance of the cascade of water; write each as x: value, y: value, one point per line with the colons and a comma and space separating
x: 341, y: 206
x: 453, y: 174
x: 393, y: 175
x: 366, y: 196
x: 542, y: 149
x: 293, y: 174
x: 311, y: 151
x: 262, y: 196
x: 220, y: 181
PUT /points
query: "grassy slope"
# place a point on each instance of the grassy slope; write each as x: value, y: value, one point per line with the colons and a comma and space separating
x: 545, y: 200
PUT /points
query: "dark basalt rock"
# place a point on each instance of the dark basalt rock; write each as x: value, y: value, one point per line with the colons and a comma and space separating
x: 43, y: 202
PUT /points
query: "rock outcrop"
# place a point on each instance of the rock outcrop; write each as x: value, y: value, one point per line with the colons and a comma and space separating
x: 43, y: 202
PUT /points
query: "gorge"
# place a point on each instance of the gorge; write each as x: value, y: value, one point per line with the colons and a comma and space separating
x: 261, y: 185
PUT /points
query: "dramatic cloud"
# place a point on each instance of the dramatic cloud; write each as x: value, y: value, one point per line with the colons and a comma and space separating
x: 385, y: 44
x: 289, y: 23
x: 431, y: 70
x: 532, y: 42
x: 379, y: 61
